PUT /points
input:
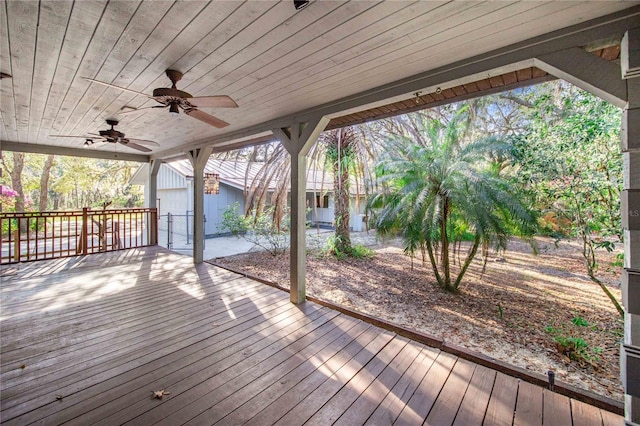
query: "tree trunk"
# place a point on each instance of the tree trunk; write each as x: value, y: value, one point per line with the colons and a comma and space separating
x: 444, y: 239
x: 467, y: 262
x: 341, y: 199
x: 44, y: 183
x: 434, y: 265
x: 16, y: 183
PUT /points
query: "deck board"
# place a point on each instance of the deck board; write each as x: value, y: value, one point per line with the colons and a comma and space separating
x: 321, y: 395
x: 446, y: 406
x: 425, y: 396
x: 584, y: 414
x: 476, y: 398
x: 322, y: 371
x: 342, y: 400
x: 557, y: 409
x: 395, y: 401
x: 502, y: 402
x: 103, y: 331
x: 529, y: 405
x: 371, y: 398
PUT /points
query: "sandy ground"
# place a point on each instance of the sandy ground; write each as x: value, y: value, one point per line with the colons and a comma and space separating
x: 512, y: 312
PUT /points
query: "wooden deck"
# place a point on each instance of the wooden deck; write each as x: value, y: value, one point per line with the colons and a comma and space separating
x: 87, y: 340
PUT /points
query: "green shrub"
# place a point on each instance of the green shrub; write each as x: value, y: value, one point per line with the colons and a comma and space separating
x: 258, y: 229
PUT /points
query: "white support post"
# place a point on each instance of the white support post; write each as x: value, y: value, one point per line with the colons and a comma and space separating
x: 198, y: 159
x: 298, y: 140
x: 630, y: 206
x: 152, y: 192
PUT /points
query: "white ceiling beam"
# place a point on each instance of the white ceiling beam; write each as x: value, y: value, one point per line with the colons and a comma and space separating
x: 72, y: 152
x: 588, y: 72
x: 610, y: 27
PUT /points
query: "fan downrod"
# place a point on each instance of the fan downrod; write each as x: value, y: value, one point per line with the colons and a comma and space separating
x: 174, y: 76
x: 173, y: 91
x: 112, y: 135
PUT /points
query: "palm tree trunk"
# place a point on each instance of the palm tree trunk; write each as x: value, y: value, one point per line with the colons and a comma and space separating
x: 444, y: 239
x: 434, y: 265
x: 467, y: 262
x: 341, y: 199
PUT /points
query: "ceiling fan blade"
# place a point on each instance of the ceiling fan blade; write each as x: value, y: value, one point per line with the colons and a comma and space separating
x: 143, y: 142
x: 209, y: 119
x: 221, y: 101
x: 127, y: 142
x: 117, y: 87
x: 142, y: 109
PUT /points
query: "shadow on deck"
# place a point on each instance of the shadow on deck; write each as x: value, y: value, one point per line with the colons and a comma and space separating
x: 86, y: 340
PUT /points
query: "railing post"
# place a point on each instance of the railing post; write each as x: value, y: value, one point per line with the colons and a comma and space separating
x: 153, y: 228
x: 85, y: 231
x: 187, y: 229
x: 169, y: 230
x: 16, y: 243
x: 102, y: 229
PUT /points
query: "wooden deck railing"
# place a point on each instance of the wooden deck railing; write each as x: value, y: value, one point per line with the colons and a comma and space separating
x: 28, y: 236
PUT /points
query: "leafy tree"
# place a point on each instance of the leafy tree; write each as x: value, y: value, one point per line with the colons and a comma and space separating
x: 439, y: 186
x: 57, y: 182
x: 570, y: 160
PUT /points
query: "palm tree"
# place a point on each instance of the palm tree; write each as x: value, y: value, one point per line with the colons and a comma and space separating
x: 438, y: 187
x: 340, y: 154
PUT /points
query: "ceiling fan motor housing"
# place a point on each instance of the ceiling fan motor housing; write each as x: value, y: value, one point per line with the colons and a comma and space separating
x: 111, y: 135
x: 172, y: 97
x: 170, y: 92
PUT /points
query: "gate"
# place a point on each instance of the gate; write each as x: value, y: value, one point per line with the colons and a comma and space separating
x: 175, y: 231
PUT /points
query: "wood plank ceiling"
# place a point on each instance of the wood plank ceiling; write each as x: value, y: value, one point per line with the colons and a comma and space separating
x: 272, y: 59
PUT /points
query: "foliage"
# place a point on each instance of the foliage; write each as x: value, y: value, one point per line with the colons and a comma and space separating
x: 7, y: 198
x: 569, y: 160
x: 73, y: 182
x: 258, y: 228
x: 439, y: 187
x: 571, y: 345
x: 357, y: 251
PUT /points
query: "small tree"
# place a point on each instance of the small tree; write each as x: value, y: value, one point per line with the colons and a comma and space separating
x: 439, y: 187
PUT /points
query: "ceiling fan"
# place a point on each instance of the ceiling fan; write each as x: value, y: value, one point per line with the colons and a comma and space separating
x: 113, y: 136
x: 176, y: 99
